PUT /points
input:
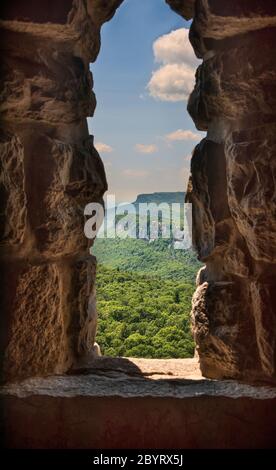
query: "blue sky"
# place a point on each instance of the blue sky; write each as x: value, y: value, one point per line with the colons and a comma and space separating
x: 141, y: 127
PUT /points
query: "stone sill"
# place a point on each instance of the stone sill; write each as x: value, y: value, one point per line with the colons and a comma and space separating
x: 135, y: 378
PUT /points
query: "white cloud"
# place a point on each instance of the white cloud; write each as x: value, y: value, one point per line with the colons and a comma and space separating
x: 174, y: 80
x: 103, y: 148
x: 141, y: 148
x: 135, y: 173
x: 181, y: 134
x: 175, y: 48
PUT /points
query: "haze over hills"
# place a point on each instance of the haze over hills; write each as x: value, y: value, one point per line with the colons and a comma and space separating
x: 156, y: 198
x: 148, y: 216
x: 148, y: 253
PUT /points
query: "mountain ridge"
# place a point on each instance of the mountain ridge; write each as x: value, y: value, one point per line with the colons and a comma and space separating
x: 159, y: 197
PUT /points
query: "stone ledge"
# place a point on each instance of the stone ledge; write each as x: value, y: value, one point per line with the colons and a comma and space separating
x: 135, y: 378
x: 120, y: 403
x: 140, y: 367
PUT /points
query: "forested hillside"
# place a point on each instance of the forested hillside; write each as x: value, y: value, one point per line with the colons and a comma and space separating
x: 156, y: 258
x: 144, y: 292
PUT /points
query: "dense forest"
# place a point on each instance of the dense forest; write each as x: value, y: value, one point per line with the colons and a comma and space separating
x: 144, y: 292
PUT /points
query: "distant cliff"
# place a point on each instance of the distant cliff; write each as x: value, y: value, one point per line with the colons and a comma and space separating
x: 158, y: 198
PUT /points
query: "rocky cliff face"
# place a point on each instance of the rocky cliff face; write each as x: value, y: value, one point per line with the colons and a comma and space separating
x: 49, y: 171
x: 232, y: 186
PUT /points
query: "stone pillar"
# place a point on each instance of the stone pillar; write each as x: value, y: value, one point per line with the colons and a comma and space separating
x: 232, y: 186
x: 49, y: 171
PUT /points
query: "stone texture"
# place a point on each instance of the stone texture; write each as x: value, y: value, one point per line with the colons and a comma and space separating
x: 50, y: 315
x: 165, y: 409
x: 232, y: 88
x: 154, y: 369
x: 183, y: 8
x: 225, y: 330
x: 49, y: 171
x: 251, y: 169
x: 149, y: 423
x: 232, y: 188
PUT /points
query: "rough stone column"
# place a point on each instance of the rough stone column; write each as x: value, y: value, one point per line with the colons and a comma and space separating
x: 49, y: 171
x: 232, y: 186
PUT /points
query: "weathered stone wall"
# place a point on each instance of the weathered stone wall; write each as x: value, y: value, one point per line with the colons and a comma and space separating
x: 49, y: 171
x: 168, y: 405
x: 232, y: 186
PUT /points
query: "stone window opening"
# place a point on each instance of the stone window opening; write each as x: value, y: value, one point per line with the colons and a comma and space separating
x: 106, y: 151
x: 50, y: 170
